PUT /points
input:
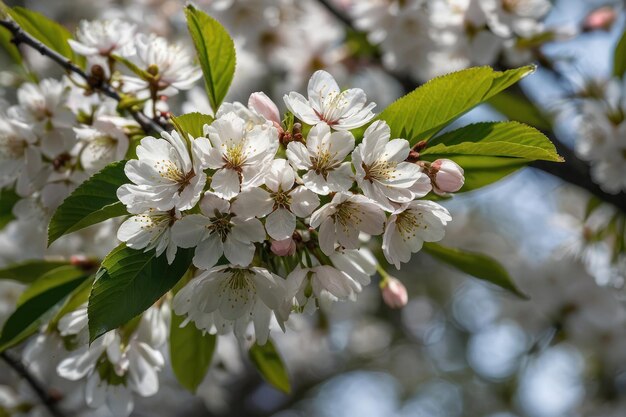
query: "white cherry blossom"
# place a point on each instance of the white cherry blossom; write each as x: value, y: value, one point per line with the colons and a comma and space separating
x: 341, y: 110
x: 165, y: 176
x: 103, y: 38
x: 20, y: 159
x: 281, y: 203
x: 173, y: 65
x: 515, y: 17
x: 410, y: 226
x: 323, y: 159
x: 102, y: 143
x: 341, y: 220
x: 228, y: 297
x: 240, y: 153
x: 381, y: 170
x: 150, y: 230
x: 327, y: 283
x: 217, y: 231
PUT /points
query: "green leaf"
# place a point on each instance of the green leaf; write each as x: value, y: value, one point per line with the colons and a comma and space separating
x: 518, y: 108
x: 31, y: 313
x: 509, y: 139
x: 47, y: 31
x: 191, y: 352
x: 9, y: 47
x: 270, y: 365
x: 8, y: 198
x: 94, y: 201
x: 129, y: 282
x: 475, y: 264
x: 619, y: 57
x: 192, y: 123
x: 29, y: 271
x: 50, y: 279
x: 216, y: 53
x: 422, y: 113
x: 75, y: 300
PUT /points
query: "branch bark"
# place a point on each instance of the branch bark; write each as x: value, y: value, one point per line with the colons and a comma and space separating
x: 573, y: 170
x: 47, y: 400
x: 21, y: 37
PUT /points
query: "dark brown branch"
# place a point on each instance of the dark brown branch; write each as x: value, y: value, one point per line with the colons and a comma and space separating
x: 49, y: 401
x: 573, y: 170
x: 21, y: 37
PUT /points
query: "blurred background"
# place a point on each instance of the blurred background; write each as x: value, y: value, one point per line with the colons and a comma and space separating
x: 461, y: 347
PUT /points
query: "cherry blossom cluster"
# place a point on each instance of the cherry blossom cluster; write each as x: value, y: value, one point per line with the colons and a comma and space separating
x: 449, y: 35
x: 602, y: 134
x: 276, y: 216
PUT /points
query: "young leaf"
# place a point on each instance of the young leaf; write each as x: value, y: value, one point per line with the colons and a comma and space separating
x: 29, y: 271
x: 192, y: 123
x: 619, y: 57
x: 29, y: 315
x: 128, y: 282
x: 47, y: 31
x: 191, y: 352
x: 509, y: 139
x: 216, y: 53
x: 94, y: 201
x: 270, y: 365
x: 8, y: 198
x: 475, y: 264
x: 422, y: 113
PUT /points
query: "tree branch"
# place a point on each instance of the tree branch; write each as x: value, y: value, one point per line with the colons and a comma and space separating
x: 21, y: 37
x: 46, y: 399
x: 573, y: 170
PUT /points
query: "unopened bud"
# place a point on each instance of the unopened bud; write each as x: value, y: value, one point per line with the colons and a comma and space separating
x: 286, y: 247
x: 600, y: 19
x: 447, y: 176
x: 394, y: 293
x: 264, y: 105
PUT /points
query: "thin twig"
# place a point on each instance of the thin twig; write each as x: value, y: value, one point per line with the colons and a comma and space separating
x: 21, y: 37
x: 573, y: 170
x: 46, y: 399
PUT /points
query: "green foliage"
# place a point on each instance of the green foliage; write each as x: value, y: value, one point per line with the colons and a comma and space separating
x: 191, y: 352
x: 8, y: 198
x: 475, y: 264
x: 9, y: 47
x: 92, y: 202
x: 48, y: 32
x: 422, y: 113
x: 490, y: 151
x: 619, y: 57
x: 38, y: 300
x: 518, y: 108
x: 75, y: 300
x: 29, y: 271
x: 192, y: 123
x: 128, y: 282
x: 216, y: 53
x: 270, y: 365
x: 508, y: 139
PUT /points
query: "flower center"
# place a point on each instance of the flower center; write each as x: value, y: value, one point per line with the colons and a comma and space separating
x: 324, y: 162
x: 281, y: 199
x: 221, y: 225
x: 11, y: 148
x: 235, y: 157
x: 346, y: 215
x: 380, y: 170
x: 407, y: 222
x: 510, y: 6
x: 333, y: 107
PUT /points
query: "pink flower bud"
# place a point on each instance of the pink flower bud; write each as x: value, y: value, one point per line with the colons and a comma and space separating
x: 600, y: 19
x: 394, y: 293
x: 286, y: 247
x: 264, y: 105
x: 447, y: 176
